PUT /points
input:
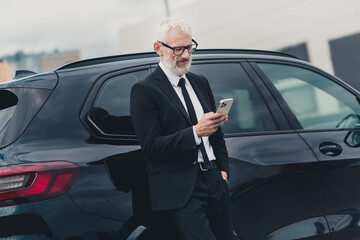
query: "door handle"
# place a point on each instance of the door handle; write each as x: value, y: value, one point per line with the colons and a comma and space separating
x: 330, y: 149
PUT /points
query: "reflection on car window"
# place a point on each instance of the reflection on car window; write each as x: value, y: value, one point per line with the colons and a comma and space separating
x: 111, y: 110
x: 317, y: 102
x: 8, y: 102
x: 248, y: 113
x: 18, y: 106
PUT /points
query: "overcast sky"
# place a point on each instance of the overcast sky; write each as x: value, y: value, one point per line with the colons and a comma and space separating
x: 92, y: 26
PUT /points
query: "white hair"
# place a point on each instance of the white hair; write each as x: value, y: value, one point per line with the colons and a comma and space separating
x: 172, y: 23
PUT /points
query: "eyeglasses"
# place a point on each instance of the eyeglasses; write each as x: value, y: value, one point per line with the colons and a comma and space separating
x: 180, y: 50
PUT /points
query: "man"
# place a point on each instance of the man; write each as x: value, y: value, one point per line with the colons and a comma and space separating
x: 187, y: 162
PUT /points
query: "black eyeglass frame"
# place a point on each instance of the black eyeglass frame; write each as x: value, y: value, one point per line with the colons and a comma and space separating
x: 183, y: 48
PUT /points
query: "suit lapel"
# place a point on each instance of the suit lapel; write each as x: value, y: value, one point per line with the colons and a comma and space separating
x: 169, y: 91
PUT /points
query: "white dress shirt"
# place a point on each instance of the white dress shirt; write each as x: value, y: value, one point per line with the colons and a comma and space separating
x: 174, y: 80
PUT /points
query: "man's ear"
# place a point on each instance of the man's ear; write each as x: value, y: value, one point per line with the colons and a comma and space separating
x: 158, y: 49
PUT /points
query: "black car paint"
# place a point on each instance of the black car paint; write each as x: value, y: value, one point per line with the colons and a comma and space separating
x: 280, y: 184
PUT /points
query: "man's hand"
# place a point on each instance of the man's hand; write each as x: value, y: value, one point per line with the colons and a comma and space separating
x: 224, y: 175
x: 209, y: 123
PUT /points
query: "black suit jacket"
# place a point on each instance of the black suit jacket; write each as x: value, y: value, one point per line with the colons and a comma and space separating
x: 165, y: 133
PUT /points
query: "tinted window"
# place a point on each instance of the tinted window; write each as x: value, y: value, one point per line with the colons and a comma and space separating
x: 111, y: 110
x: 18, y: 106
x: 248, y: 113
x: 316, y: 101
x: 8, y: 102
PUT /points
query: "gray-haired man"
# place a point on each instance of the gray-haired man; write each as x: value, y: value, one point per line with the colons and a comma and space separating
x: 187, y: 162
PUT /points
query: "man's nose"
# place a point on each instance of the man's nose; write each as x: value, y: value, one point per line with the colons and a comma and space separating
x: 185, y: 53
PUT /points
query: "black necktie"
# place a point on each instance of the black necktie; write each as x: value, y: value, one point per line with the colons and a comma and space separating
x: 193, y: 118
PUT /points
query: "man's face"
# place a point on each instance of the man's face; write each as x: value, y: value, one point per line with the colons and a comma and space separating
x: 176, y: 64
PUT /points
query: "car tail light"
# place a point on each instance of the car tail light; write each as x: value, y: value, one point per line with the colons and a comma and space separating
x: 31, y: 182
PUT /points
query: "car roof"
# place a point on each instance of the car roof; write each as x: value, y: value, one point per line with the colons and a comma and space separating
x: 41, y: 81
x: 133, y: 56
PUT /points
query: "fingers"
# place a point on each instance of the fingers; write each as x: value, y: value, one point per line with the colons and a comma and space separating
x: 219, y: 121
x: 219, y: 114
x: 209, y: 123
x: 224, y: 175
x: 213, y: 115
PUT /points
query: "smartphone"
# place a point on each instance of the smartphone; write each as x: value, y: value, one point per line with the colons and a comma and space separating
x: 225, y: 105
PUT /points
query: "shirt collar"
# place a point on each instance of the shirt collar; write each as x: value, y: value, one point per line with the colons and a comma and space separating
x: 173, y: 78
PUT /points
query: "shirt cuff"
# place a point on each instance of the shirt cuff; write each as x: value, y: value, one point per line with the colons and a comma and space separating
x: 197, y: 139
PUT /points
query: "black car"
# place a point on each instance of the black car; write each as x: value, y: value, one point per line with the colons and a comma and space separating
x: 71, y: 166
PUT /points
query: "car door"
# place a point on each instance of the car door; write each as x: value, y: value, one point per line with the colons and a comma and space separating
x: 113, y: 186
x: 325, y: 113
x: 275, y: 179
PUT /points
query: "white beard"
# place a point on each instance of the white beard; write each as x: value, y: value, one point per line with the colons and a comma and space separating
x: 179, y: 71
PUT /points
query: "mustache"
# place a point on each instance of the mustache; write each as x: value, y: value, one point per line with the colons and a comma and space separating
x: 183, y: 59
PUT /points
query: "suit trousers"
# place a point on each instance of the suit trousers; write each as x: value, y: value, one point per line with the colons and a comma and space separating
x: 207, y: 215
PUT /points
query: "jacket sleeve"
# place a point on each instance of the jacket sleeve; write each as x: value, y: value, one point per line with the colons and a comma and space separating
x: 146, y: 120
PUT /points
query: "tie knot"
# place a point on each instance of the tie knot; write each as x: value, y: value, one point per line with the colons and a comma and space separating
x: 181, y: 82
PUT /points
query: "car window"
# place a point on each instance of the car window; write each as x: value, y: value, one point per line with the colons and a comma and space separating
x: 316, y: 101
x: 111, y: 109
x: 248, y: 112
x: 18, y: 106
x: 8, y: 102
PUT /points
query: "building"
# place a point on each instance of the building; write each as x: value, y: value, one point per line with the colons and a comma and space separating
x: 4, y: 71
x: 56, y: 59
x: 40, y: 62
x: 326, y: 33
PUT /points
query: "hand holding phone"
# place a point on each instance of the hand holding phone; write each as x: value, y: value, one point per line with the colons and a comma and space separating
x: 225, y: 105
